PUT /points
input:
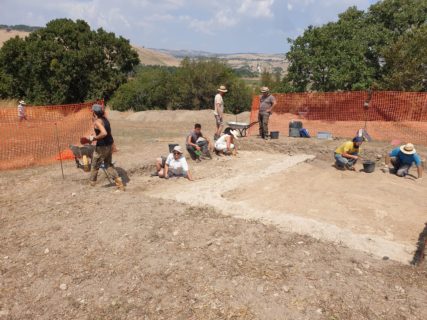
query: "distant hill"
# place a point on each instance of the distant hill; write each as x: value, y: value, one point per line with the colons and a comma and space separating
x: 255, y: 62
x: 19, y: 27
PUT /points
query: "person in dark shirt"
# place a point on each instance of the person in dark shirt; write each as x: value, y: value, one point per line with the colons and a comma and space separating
x: 197, y: 144
x: 104, y: 148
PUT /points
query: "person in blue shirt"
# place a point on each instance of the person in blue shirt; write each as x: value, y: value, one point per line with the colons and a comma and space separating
x: 402, y: 158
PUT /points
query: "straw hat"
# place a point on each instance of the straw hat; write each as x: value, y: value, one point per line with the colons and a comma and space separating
x: 235, y: 133
x: 265, y: 89
x: 222, y: 89
x: 22, y: 102
x: 178, y: 149
x: 408, y: 148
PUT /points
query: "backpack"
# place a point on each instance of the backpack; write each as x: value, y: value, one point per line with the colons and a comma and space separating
x: 304, y: 133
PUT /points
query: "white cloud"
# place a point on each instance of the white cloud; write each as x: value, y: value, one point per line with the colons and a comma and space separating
x: 257, y: 8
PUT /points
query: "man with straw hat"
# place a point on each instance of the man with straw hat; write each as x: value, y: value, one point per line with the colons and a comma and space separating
x: 219, y: 110
x: 266, y: 105
x: 21, y: 111
x: 402, y: 158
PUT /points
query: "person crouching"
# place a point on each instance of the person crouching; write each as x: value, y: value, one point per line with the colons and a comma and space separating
x: 103, y: 153
x: 175, y: 165
x: 226, y: 143
x: 347, y: 154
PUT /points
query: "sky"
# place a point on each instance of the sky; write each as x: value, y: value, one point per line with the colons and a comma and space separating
x: 219, y: 26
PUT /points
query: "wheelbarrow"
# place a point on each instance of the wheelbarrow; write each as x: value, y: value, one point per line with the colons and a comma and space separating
x: 83, y: 157
x: 241, y: 127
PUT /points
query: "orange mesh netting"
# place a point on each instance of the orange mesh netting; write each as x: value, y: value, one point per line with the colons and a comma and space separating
x: 389, y: 115
x: 34, y: 141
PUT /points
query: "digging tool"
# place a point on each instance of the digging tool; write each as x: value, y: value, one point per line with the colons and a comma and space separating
x: 59, y: 150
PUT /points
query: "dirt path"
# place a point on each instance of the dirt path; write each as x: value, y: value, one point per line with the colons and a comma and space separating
x: 258, y: 186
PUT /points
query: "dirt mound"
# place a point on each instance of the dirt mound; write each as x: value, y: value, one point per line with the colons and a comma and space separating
x: 174, y: 116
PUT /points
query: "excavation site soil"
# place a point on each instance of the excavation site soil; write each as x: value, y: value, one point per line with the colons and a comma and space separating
x: 273, y: 233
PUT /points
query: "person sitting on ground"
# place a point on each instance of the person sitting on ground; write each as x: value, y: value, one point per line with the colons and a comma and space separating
x: 197, y: 144
x: 402, y: 158
x: 104, y: 148
x: 225, y: 144
x: 175, y: 165
x: 347, y: 154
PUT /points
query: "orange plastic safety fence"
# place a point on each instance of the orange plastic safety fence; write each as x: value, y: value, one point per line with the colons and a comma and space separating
x: 34, y: 141
x: 388, y: 115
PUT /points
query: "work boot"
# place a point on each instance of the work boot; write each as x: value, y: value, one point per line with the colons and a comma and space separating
x: 119, y: 184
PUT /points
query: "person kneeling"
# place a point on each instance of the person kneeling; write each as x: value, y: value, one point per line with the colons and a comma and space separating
x: 347, y: 154
x: 175, y: 165
x: 225, y: 144
x: 402, y: 158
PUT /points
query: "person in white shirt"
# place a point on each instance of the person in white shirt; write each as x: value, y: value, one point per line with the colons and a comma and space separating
x: 175, y: 165
x: 225, y: 144
x: 219, y: 110
x: 21, y: 111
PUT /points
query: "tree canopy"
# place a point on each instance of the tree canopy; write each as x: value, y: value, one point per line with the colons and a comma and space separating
x: 190, y: 86
x: 65, y: 62
x: 362, y: 49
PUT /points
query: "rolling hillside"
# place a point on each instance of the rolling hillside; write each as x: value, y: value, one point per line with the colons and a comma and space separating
x: 255, y: 61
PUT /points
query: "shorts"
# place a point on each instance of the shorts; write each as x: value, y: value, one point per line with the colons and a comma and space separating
x: 219, y: 121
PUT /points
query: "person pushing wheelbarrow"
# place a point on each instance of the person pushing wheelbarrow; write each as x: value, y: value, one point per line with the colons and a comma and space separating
x: 104, y: 148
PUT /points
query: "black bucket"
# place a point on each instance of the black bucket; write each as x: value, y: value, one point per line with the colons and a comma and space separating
x: 274, y: 134
x: 171, y: 146
x: 368, y: 166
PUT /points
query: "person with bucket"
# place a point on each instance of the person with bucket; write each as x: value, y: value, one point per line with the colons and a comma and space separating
x: 266, y: 105
x: 197, y: 144
x: 104, y: 148
x: 347, y: 154
x: 402, y: 158
x: 175, y: 165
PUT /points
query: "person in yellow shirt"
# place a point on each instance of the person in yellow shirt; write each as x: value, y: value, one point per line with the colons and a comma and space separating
x: 347, y: 154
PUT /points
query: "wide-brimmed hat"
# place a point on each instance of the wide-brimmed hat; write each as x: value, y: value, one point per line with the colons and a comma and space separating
x: 265, y: 89
x: 178, y: 149
x: 22, y: 102
x: 235, y: 133
x: 222, y: 89
x: 408, y: 149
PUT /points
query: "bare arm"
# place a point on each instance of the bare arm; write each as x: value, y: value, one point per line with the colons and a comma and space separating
x: 189, y: 176
x: 100, y: 126
x: 350, y: 156
x: 228, y: 143
x: 166, y: 171
x: 420, y: 172
x: 192, y: 144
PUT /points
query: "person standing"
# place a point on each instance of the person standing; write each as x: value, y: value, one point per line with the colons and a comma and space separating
x: 104, y: 148
x: 266, y: 105
x: 219, y: 110
x: 21, y: 111
x: 402, y: 158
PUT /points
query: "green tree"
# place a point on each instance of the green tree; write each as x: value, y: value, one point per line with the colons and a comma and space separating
x: 349, y: 54
x: 191, y: 86
x: 406, y: 62
x: 66, y: 62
